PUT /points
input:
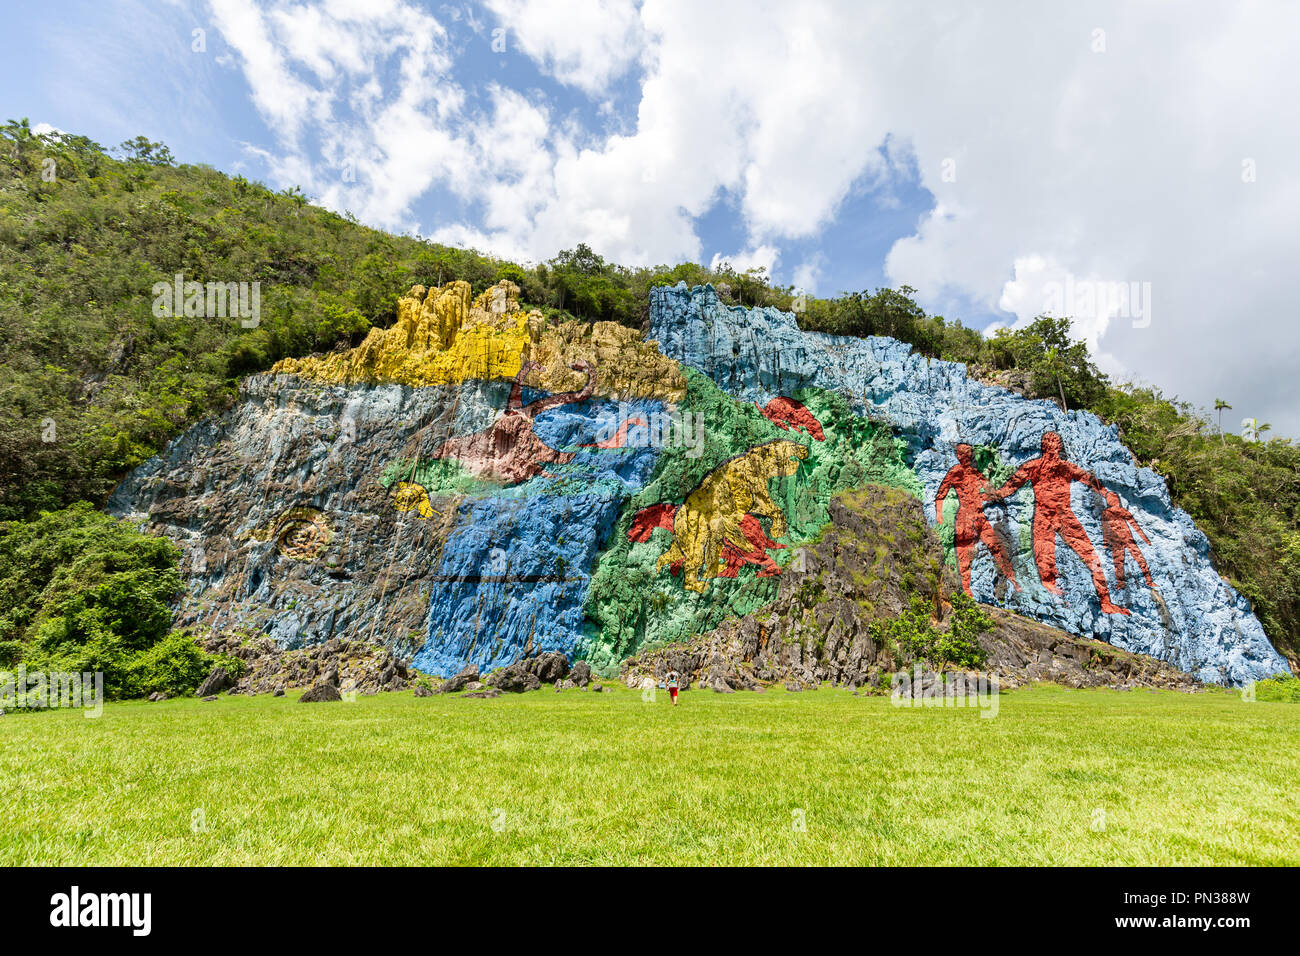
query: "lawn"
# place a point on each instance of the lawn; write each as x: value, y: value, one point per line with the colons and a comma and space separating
x: 1057, y: 777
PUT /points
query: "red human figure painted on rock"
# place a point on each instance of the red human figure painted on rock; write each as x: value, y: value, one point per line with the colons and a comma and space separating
x: 1116, y: 522
x: 971, y: 526
x: 1052, y: 476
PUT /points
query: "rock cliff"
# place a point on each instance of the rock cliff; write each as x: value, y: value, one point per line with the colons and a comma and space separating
x: 478, y: 484
x: 1045, y: 512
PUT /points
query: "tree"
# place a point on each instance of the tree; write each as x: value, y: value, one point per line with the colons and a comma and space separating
x: 143, y: 150
x: 1251, y: 429
x: 1221, y: 406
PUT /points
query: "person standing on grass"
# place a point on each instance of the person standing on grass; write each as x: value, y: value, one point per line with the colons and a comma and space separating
x: 671, y: 681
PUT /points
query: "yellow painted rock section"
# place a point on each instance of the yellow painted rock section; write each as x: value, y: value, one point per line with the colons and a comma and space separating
x: 626, y: 365
x: 441, y: 337
x: 412, y: 497
x: 711, y: 516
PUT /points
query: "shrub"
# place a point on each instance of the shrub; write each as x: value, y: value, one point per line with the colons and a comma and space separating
x: 82, y: 591
x: 1280, y: 688
x: 915, y: 634
x: 174, y: 666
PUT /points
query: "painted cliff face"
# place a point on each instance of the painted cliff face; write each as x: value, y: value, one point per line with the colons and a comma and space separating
x: 1051, y: 478
x: 1043, y: 512
x: 444, y: 487
x: 475, y: 483
x: 718, y: 529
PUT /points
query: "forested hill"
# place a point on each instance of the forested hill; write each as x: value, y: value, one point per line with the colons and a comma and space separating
x: 95, y: 383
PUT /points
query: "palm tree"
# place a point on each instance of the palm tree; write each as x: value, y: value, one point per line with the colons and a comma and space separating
x: 1251, y: 429
x: 1220, y: 406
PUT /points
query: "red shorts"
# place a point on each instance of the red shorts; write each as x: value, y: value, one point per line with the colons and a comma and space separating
x: 673, y: 692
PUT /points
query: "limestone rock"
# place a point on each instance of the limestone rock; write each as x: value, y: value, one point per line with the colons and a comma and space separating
x: 361, y: 667
x: 460, y: 681
x: 514, y: 679
x: 877, y: 550
x: 216, y: 681
x: 1189, y: 617
x: 320, y: 693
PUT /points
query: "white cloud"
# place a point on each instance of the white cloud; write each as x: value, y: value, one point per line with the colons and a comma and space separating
x: 1049, y: 162
x: 583, y: 43
x: 808, y: 273
x: 761, y: 257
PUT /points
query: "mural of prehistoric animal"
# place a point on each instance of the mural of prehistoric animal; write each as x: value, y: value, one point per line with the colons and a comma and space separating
x: 509, y: 451
x: 1116, y: 522
x: 1051, y: 475
x: 793, y: 415
x: 970, y: 524
x: 734, y: 557
x: 716, y: 530
x: 619, y: 438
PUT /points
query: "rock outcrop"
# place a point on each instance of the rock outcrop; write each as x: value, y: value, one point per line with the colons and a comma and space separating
x: 267, y: 668
x: 478, y: 486
x: 1092, y: 542
x: 875, y: 556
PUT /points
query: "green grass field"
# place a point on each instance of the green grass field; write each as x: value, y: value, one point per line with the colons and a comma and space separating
x: 1057, y: 777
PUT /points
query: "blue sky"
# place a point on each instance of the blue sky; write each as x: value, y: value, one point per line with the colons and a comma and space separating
x: 988, y: 160
x: 111, y: 71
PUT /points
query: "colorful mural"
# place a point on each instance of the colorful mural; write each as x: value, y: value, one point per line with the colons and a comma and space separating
x: 717, y: 529
x: 1029, y: 543
x: 1051, y: 477
x: 971, y: 527
x: 1117, y: 527
x: 509, y: 450
x: 477, y: 483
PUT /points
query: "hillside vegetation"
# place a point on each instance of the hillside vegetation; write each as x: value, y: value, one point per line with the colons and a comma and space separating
x: 95, y: 383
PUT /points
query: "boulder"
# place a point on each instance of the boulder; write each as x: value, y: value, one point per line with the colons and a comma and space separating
x: 458, y: 683
x: 319, y: 693
x: 157, y: 696
x: 422, y: 691
x: 216, y: 681
x: 485, y: 692
x: 549, y: 666
x: 515, y: 679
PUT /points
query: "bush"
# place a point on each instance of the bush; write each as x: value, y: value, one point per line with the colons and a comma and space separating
x: 1280, y: 688
x: 82, y: 591
x: 915, y: 634
x: 173, y: 666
